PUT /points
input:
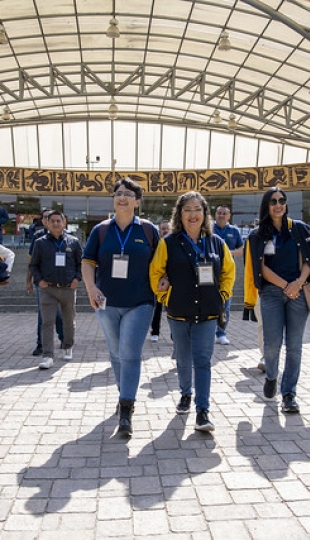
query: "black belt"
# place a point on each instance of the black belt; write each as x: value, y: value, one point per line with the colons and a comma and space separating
x: 58, y: 285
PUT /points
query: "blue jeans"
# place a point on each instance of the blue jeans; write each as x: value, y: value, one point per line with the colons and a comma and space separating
x: 219, y: 331
x: 279, y: 315
x: 125, y: 330
x: 194, y: 345
x: 59, y: 328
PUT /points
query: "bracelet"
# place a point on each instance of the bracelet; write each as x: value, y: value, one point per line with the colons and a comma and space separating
x: 286, y: 286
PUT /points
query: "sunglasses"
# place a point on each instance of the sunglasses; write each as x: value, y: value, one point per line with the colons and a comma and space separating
x: 281, y: 201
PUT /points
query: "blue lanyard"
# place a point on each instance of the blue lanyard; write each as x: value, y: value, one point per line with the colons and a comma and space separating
x: 58, y: 245
x: 122, y: 244
x: 198, y: 251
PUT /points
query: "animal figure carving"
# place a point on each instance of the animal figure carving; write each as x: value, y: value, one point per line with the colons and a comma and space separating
x: 243, y: 179
x: 39, y: 182
x: 214, y: 181
x: 91, y: 185
x: 279, y: 178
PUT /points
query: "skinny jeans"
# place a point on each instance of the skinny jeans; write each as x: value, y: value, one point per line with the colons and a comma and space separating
x: 194, y: 344
x: 125, y: 330
x: 281, y: 317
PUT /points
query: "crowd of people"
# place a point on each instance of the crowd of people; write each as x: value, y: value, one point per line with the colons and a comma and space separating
x: 134, y: 270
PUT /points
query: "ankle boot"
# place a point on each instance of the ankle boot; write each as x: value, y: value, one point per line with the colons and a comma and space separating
x: 126, y: 409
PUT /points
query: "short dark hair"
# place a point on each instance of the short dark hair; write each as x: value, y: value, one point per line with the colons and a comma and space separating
x: 56, y: 213
x: 45, y: 210
x: 129, y: 184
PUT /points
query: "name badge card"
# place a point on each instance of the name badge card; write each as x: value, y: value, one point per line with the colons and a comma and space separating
x: 120, y: 266
x: 60, y: 259
x: 205, y: 274
x: 270, y: 248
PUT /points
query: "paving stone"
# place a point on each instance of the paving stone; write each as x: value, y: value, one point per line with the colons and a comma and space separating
x: 66, y: 473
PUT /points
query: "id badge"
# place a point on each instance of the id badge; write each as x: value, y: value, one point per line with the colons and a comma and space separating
x: 60, y: 259
x: 205, y: 274
x: 270, y: 248
x: 120, y: 266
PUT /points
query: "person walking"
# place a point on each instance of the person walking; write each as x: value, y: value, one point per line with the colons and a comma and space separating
x: 115, y: 269
x: 164, y: 229
x: 277, y: 264
x: 56, y: 268
x: 192, y: 273
x: 4, y: 218
x: 41, y: 231
x: 232, y: 237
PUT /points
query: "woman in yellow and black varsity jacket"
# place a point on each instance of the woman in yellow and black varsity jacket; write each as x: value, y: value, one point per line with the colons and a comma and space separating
x: 200, y: 274
x: 277, y: 264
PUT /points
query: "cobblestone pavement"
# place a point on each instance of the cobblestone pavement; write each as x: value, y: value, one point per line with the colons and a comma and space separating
x: 66, y: 474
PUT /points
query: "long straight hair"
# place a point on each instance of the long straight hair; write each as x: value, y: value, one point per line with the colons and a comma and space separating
x: 265, y: 225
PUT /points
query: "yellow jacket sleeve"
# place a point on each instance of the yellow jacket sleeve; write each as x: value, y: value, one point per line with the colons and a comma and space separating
x: 250, y: 291
x: 157, y: 270
x: 228, y: 274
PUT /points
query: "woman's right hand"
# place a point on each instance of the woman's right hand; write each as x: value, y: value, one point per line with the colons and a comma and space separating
x: 95, y: 297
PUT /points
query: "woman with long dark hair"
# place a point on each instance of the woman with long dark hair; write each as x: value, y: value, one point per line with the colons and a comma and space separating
x: 192, y: 273
x: 277, y: 264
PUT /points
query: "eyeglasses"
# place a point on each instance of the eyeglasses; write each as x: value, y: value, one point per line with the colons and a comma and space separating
x: 192, y: 211
x: 281, y: 201
x: 127, y: 194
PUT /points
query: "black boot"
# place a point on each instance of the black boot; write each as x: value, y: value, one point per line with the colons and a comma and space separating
x: 126, y: 409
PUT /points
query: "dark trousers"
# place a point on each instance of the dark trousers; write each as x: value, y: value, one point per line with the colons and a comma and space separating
x: 156, y: 319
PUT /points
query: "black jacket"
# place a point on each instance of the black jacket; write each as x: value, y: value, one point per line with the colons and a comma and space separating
x: 186, y: 299
x: 42, y: 263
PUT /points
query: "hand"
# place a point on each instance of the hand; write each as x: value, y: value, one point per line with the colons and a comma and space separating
x: 292, y: 290
x: 6, y: 282
x: 43, y: 284
x: 163, y: 284
x: 74, y: 283
x: 95, y: 297
x: 29, y: 287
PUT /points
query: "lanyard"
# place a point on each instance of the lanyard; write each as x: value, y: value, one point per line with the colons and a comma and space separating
x: 58, y: 245
x: 198, y: 251
x: 122, y: 244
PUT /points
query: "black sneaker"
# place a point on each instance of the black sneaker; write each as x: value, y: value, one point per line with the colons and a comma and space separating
x: 270, y: 388
x: 289, y: 404
x: 184, y: 404
x: 38, y: 351
x: 202, y: 422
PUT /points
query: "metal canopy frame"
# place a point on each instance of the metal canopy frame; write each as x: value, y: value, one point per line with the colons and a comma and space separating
x: 166, y: 66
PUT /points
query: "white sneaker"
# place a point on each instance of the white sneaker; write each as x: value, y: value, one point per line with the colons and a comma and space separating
x: 261, y: 365
x: 154, y: 338
x: 68, y: 354
x: 46, y: 363
x: 222, y: 340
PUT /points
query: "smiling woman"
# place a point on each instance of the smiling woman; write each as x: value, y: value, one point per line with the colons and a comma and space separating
x: 192, y: 274
x: 115, y: 270
x: 277, y: 265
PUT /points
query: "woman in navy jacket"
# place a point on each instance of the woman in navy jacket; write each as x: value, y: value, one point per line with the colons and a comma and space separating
x: 277, y: 264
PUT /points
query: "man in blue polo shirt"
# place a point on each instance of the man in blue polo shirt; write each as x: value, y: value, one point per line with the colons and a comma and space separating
x: 232, y: 237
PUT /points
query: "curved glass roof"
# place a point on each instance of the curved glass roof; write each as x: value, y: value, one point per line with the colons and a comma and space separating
x: 166, y: 66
